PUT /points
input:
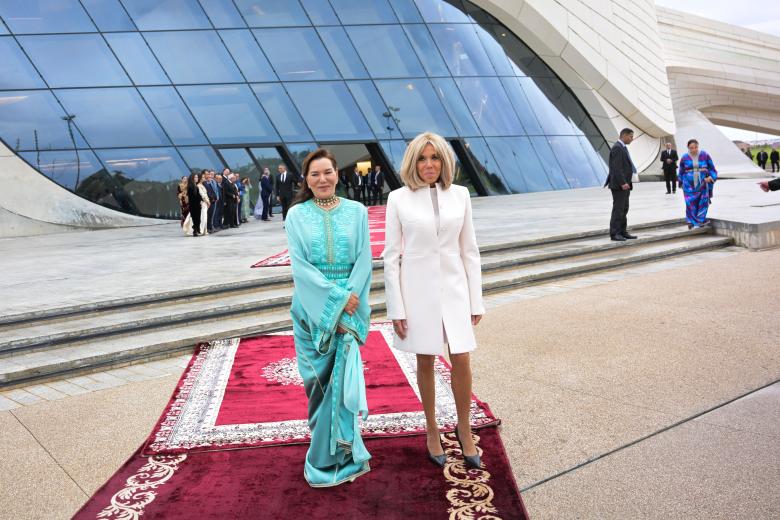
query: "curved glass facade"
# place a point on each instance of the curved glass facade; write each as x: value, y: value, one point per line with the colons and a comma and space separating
x: 115, y: 100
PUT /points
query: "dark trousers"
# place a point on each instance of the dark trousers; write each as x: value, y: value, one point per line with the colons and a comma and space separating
x: 670, y: 176
x: 266, y: 198
x: 195, y: 221
x: 212, y: 210
x: 376, y: 194
x: 231, y: 213
x: 285, y: 201
x: 216, y: 221
x: 619, y: 221
x: 775, y: 166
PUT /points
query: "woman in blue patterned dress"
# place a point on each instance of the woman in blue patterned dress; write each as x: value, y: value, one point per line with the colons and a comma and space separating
x: 330, y: 255
x: 696, y: 176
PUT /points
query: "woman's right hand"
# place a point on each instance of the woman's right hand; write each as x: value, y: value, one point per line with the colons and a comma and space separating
x: 400, y: 328
x: 352, y: 304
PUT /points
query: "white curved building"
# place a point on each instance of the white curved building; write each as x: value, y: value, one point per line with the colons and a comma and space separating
x: 530, y: 93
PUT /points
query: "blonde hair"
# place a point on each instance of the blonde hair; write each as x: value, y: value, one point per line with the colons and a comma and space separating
x: 409, y: 174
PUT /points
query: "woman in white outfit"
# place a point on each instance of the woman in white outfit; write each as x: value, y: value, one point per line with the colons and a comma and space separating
x: 433, y: 280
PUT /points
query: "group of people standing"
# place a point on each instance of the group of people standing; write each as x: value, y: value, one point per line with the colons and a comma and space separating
x: 762, y: 157
x: 695, y: 175
x: 212, y: 201
x: 368, y: 189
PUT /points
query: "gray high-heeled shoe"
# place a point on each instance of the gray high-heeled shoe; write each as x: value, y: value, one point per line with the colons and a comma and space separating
x: 473, y: 461
x: 439, y: 460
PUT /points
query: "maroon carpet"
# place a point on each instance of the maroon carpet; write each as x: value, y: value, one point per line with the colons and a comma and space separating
x: 268, y: 483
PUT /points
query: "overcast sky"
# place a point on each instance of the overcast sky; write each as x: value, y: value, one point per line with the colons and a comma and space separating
x: 760, y: 15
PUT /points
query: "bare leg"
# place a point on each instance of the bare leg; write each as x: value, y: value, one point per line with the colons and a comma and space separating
x: 427, y: 385
x: 461, y: 389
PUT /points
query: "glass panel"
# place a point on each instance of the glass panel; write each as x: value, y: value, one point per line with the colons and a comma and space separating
x: 522, y: 107
x: 298, y: 152
x: 62, y: 166
x: 490, y: 106
x: 460, y: 177
x: 239, y: 161
x: 572, y: 159
x: 272, y: 13
x: 144, y: 180
x: 522, y: 59
x: 45, y: 16
x: 248, y: 55
x: 406, y: 11
x: 3, y: 29
x: 194, y: 57
x: 113, y: 117
x: 16, y: 71
x: 33, y: 120
x: 109, y: 15
x: 456, y: 107
x: 495, y: 52
x: 487, y: 168
x: 296, y: 54
x: 537, y: 91
x: 282, y: 112
x: 522, y: 169
x: 462, y: 50
x: 598, y: 165
x: 478, y: 14
x: 363, y: 11
x: 550, y: 163
x: 418, y: 107
x: 377, y: 114
x: 229, y: 114
x: 426, y: 50
x: 438, y: 11
x: 161, y: 15
x: 330, y: 111
x: 394, y: 151
x: 385, y: 51
x: 201, y: 158
x: 268, y: 158
x: 173, y: 115
x: 320, y: 13
x: 342, y: 52
x: 223, y: 14
x: 138, y: 60
x: 74, y: 60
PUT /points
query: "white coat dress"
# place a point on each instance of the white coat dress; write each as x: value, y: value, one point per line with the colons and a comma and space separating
x: 432, y: 276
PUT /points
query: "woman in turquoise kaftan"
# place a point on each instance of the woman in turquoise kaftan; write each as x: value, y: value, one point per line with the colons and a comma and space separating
x: 330, y: 256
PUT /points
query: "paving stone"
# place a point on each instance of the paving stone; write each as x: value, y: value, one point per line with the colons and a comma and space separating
x: 46, y: 392
x: 7, y: 404
x: 22, y: 397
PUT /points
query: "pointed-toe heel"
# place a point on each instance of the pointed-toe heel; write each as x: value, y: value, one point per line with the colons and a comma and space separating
x: 472, y: 461
x: 439, y: 460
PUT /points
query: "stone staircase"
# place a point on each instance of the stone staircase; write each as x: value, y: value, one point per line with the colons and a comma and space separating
x: 61, y: 342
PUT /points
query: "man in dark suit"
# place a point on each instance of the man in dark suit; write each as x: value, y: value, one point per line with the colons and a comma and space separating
x: 621, y: 169
x: 772, y: 185
x: 230, y: 193
x: 211, y: 189
x: 774, y: 158
x: 266, y: 190
x: 219, y: 209
x: 376, y: 185
x: 358, y: 186
x: 669, y: 164
x: 761, y: 158
x: 285, y: 188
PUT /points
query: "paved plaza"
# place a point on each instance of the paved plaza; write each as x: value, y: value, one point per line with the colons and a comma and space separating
x: 645, y: 392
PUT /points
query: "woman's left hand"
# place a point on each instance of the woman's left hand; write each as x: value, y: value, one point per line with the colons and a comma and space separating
x: 475, y: 319
x: 708, y: 179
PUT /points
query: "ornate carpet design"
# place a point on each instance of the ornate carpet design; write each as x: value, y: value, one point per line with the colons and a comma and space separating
x: 241, y: 393
x: 376, y: 230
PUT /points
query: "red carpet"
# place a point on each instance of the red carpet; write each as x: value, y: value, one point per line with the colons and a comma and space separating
x: 231, y: 444
x: 376, y: 228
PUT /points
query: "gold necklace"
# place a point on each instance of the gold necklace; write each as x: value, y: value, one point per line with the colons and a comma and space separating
x: 328, y: 201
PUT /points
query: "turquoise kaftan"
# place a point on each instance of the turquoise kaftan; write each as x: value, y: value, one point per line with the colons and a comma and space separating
x: 330, y: 254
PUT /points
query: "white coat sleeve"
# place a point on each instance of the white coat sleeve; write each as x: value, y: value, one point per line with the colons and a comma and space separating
x: 392, y: 262
x: 469, y: 254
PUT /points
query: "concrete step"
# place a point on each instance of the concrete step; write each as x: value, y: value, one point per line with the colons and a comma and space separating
x: 200, y: 307
x: 170, y: 327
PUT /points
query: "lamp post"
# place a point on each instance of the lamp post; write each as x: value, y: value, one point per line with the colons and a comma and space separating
x: 69, y: 118
x: 389, y: 115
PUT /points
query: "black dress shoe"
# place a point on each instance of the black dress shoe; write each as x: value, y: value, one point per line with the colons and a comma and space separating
x: 472, y: 461
x: 668, y: 192
x: 630, y: 237
x: 618, y: 238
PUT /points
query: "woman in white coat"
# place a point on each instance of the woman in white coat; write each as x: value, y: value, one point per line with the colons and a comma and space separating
x: 433, y: 280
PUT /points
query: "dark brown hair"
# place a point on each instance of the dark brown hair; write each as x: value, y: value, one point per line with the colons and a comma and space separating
x: 305, y: 192
x: 692, y: 141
